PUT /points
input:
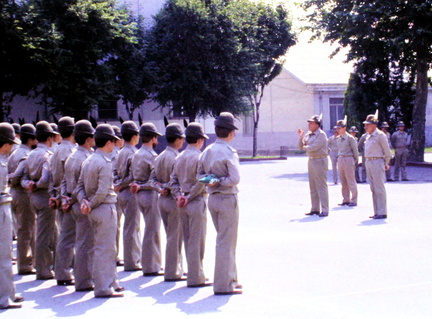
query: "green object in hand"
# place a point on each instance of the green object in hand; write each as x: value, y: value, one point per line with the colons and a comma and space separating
x: 209, y: 179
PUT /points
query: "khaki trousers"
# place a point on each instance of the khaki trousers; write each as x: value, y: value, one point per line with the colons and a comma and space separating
x: 84, y: 243
x: 376, y: 174
x: 225, y: 215
x: 46, y: 234
x: 334, y: 161
x: 347, y: 175
x: 65, y: 252
x: 171, y: 220
x: 131, y: 230
x: 401, y: 157
x: 7, y: 286
x: 26, y: 221
x: 317, y: 169
x: 151, y: 259
x: 194, y: 224
x: 103, y: 220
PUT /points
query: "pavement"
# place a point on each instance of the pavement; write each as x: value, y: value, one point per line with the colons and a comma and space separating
x: 290, y: 265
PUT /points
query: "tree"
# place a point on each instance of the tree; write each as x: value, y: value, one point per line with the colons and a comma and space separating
x: 265, y: 35
x: 76, y: 66
x: 399, y: 30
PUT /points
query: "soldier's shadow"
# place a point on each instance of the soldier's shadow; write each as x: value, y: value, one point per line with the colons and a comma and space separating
x: 373, y: 222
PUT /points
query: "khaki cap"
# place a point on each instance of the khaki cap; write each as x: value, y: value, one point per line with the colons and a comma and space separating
x: 7, y: 134
x: 43, y: 127
x: 83, y: 128
x: 149, y: 128
x: 28, y: 130
x: 226, y: 120
x: 129, y: 127
x: 174, y: 130
x: 105, y: 131
x: 195, y: 130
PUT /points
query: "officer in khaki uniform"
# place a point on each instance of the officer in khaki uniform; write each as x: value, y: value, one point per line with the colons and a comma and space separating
x: 163, y: 167
x: 400, y: 141
x: 26, y: 217
x: 191, y: 200
x: 36, y: 179
x: 7, y: 286
x: 221, y: 159
x: 65, y: 248
x: 315, y: 144
x: 347, y: 159
x: 333, y: 147
x: 377, y: 155
x: 95, y: 192
x: 146, y: 196
x: 84, y: 238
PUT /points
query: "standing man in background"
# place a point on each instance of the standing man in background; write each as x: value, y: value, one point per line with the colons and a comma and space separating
x: 400, y: 141
x: 384, y: 129
x: 315, y: 144
x: 333, y: 147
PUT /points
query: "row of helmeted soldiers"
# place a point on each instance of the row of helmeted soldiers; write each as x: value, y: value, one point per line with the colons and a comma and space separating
x: 68, y: 201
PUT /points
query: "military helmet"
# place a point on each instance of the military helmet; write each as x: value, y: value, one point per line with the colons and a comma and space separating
x: 66, y: 124
x: 400, y: 123
x: 7, y: 134
x: 83, y: 128
x: 16, y: 127
x: 341, y: 123
x: 315, y: 118
x: 195, y: 130
x: 353, y: 129
x: 117, y: 131
x: 225, y: 120
x: 28, y: 130
x: 148, y: 128
x: 174, y: 130
x: 129, y: 127
x: 105, y: 131
x: 43, y: 127
x: 371, y: 119
x: 385, y: 124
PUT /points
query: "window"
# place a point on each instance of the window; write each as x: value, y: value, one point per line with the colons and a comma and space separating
x: 108, y: 110
x: 248, y: 125
x: 336, y: 110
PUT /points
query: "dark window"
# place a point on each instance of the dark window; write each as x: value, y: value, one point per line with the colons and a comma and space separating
x: 336, y: 110
x: 108, y: 110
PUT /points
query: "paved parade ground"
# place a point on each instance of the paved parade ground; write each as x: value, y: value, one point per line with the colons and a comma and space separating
x: 290, y: 265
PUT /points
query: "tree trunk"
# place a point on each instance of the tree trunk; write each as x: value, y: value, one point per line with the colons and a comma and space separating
x: 419, y: 111
x: 1, y: 107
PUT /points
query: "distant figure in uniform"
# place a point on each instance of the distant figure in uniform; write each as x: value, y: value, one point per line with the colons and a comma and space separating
x: 384, y: 129
x: 95, y: 192
x: 400, y: 141
x: 126, y: 201
x: 333, y: 147
x: 36, y: 180
x: 315, y: 144
x: 163, y: 167
x: 347, y: 159
x: 221, y: 160
x: 360, y: 146
x: 7, y: 286
x: 377, y: 155
x: 147, y: 196
x: 191, y: 200
x: 26, y: 218
x: 353, y: 132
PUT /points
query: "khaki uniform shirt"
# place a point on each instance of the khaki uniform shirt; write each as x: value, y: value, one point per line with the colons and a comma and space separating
x: 5, y: 197
x: 376, y: 145
x: 315, y: 144
x: 332, y: 144
x: 122, y: 167
x: 58, y: 161
x: 14, y: 161
x: 400, y: 139
x: 163, y: 167
x: 142, y: 165
x: 96, y: 180
x: 347, y: 146
x: 222, y: 160
x: 184, y: 176
x: 36, y: 167
x: 361, y: 143
x: 72, y: 170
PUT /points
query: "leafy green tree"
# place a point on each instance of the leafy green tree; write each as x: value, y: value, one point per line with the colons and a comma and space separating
x: 77, y: 65
x: 265, y: 35
x: 399, y: 30
x: 193, y: 55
